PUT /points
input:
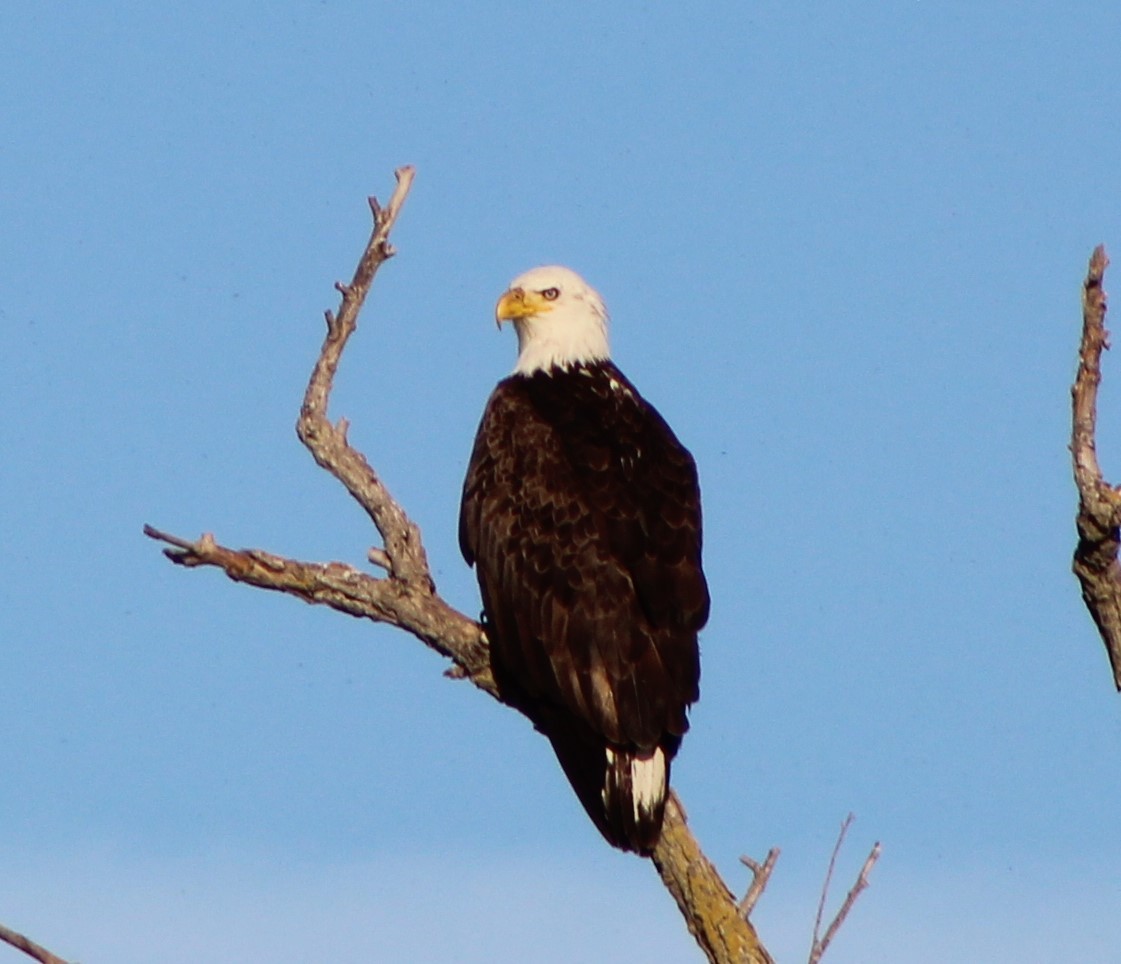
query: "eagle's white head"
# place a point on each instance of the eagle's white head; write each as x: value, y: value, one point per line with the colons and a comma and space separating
x: 560, y: 319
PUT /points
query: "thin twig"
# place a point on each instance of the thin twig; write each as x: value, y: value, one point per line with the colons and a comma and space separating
x: 1099, y: 505
x: 820, y: 944
x: 760, y: 876
x: 28, y: 946
x: 845, y: 824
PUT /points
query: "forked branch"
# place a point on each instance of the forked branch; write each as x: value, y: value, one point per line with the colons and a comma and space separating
x: 820, y: 944
x: 1099, y: 503
x: 760, y: 877
x: 406, y: 597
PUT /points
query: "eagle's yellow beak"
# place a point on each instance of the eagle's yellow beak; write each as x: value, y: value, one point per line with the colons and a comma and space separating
x: 517, y: 303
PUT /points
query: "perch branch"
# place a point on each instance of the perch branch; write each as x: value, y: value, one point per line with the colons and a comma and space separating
x: 821, y: 944
x: 708, y: 906
x: 1099, y: 504
x: 406, y: 597
x: 760, y: 876
x: 28, y: 946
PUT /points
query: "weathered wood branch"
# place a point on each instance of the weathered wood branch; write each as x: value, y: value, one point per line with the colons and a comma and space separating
x: 1099, y: 503
x: 406, y: 597
x: 28, y: 946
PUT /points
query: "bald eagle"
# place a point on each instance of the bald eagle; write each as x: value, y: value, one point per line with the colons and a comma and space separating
x: 581, y: 515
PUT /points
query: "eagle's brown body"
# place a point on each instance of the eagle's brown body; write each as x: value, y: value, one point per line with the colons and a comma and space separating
x: 581, y: 514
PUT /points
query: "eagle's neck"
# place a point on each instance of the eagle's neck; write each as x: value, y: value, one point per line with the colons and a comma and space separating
x: 554, y: 341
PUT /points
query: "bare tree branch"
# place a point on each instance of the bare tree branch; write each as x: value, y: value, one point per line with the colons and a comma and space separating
x: 821, y: 944
x: 28, y: 946
x: 406, y: 597
x: 760, y: 877
x: 1099, y: 506
x: 327, y: 443
x: 387, y: 600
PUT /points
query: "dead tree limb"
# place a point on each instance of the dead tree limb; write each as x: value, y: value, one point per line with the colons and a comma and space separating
x: 1099, y: 503
x: 28, y: 946
x: 406, y: 597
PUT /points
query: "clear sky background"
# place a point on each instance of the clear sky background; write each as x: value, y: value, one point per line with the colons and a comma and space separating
x: 842, y: 244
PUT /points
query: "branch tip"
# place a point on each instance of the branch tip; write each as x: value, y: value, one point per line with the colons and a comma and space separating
x: 404, y: 176
x: 1099, y: 261
x: 153, y: 533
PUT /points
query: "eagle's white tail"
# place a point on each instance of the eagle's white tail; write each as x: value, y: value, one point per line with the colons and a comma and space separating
x: 634, y: 794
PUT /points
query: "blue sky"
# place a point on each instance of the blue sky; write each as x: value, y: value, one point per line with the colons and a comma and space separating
x: 842, y: 247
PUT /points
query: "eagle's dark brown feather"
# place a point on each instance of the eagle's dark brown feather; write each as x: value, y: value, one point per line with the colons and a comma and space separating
x: 581, y: 514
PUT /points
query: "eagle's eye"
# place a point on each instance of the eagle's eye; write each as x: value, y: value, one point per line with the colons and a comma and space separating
x: 551, y: 294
